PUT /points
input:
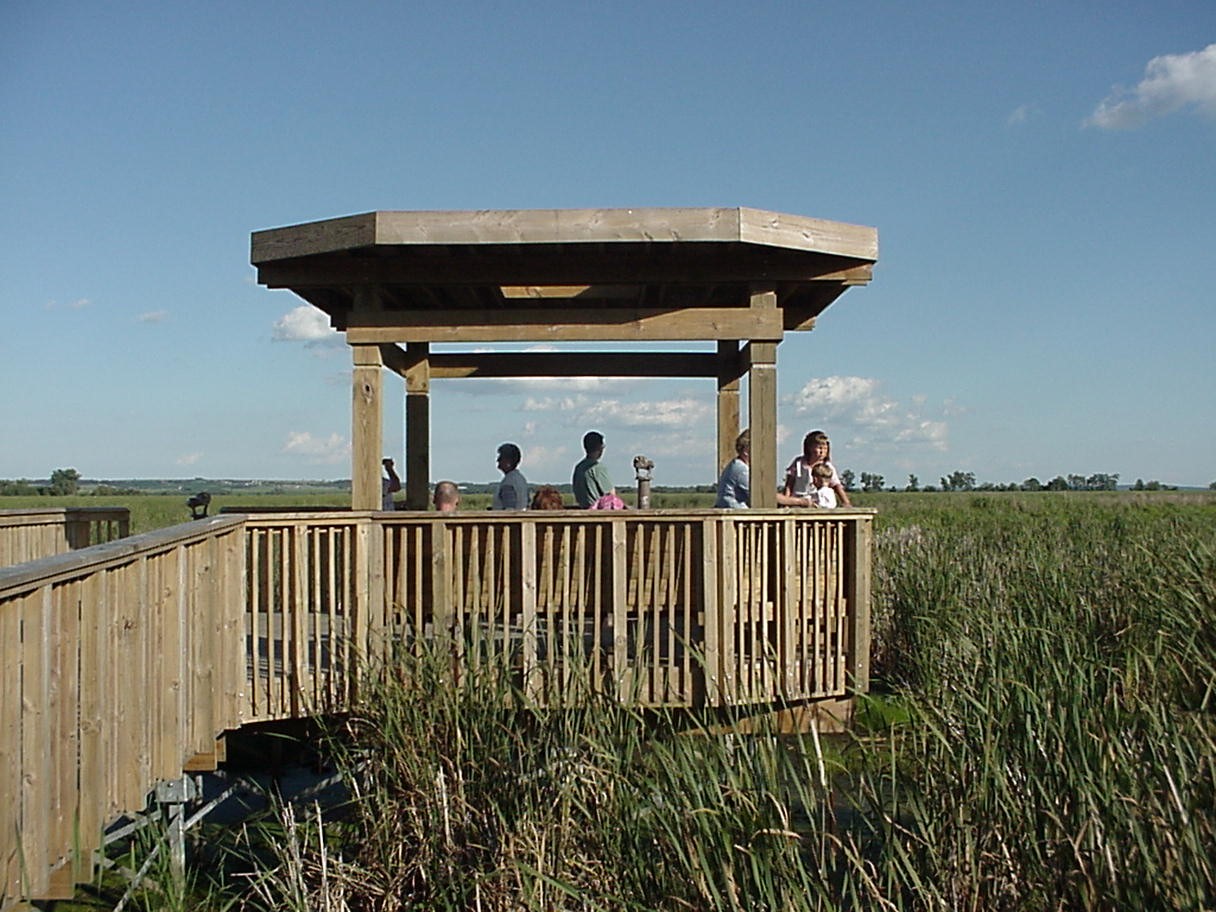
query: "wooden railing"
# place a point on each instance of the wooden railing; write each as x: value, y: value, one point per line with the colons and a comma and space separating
x: 661, y: 608
x: 121, y: 664
x: 29, y: 534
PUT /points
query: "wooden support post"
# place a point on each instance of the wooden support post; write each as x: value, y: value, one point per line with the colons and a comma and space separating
x: 417, y: 425
x: 367, y: 434
x: 762, y: 405
x: 728, y: 401
x: 762, y: 417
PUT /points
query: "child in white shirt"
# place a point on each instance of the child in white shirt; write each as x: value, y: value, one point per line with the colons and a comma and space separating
x: 821, y: 493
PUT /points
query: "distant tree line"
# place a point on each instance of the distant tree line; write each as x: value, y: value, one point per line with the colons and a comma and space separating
x: 870, y: 482
x: 67, y: 481
x: 63, y: 482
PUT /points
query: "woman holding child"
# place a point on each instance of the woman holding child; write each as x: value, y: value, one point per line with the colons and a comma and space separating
x: 800, y: 481
x: 810, y: 480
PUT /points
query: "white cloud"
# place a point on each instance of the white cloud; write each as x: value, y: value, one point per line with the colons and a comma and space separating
x: 669, y: 414
x: 188, y: 459
x: 581, y: 384
x: 616, y: 416
x: 857, y: 409
x: 1021, y: 114
x: 1171, y: 82
x: 318, y: 450
x: 78, y: 304
x: 952, y: 407
x: 153, y: 316
x: 556, y: 403
x: 543, y: 461
x: 672, y: 449
x: 834, y: 393
x: 933, y: 433
x: 306, y: 324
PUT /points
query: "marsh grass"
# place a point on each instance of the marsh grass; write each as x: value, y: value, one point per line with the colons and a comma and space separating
x: 1042, y: 735
x: 1059, y: 750
x: 464, y: 800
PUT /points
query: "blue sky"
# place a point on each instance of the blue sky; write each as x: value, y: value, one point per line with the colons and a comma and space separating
x: 1042, y: 177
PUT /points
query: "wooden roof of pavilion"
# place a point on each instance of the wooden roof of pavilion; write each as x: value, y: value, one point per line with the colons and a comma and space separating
x: 566, y: 275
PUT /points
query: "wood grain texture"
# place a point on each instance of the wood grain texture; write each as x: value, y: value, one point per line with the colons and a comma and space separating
x: 565, y: 226
x: 546, y: 325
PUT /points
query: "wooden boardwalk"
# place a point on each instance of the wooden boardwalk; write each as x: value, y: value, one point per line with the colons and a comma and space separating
x: 123, y: 664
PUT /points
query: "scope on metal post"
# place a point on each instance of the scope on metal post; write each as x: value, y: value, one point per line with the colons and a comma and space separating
x: 642, y: 467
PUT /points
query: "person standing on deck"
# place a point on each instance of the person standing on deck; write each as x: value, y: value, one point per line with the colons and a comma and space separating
x: 388, y: 486
x: 512, y: 491
x: 591, y: 479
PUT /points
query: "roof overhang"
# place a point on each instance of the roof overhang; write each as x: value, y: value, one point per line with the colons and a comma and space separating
x: 445, y: 276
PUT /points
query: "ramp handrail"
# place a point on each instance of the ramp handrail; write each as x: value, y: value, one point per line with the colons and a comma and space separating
x: 31, y: 533
x: 119, y: 664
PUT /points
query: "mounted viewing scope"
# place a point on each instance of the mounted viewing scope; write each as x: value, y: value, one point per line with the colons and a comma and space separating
x: 198, y: 505
x: 641, y: 468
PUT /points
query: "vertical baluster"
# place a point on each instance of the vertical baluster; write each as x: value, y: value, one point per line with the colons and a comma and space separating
x: 685, y: 644
x: 586, y: 620
x: 571, y: 630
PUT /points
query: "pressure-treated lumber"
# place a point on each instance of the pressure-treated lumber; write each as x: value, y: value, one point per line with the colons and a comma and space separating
x: 568, y: 325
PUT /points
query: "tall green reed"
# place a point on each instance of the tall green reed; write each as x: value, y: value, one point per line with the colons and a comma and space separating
x: 465, y: 797
x: 1052, y: 661
x: 1060, y: 744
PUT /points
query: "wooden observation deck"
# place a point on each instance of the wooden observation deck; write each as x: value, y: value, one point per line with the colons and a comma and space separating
x: 122, y: 664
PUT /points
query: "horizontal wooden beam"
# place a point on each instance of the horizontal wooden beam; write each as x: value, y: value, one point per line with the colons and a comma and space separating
x: 564, y: 325
x: 574, y: 364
